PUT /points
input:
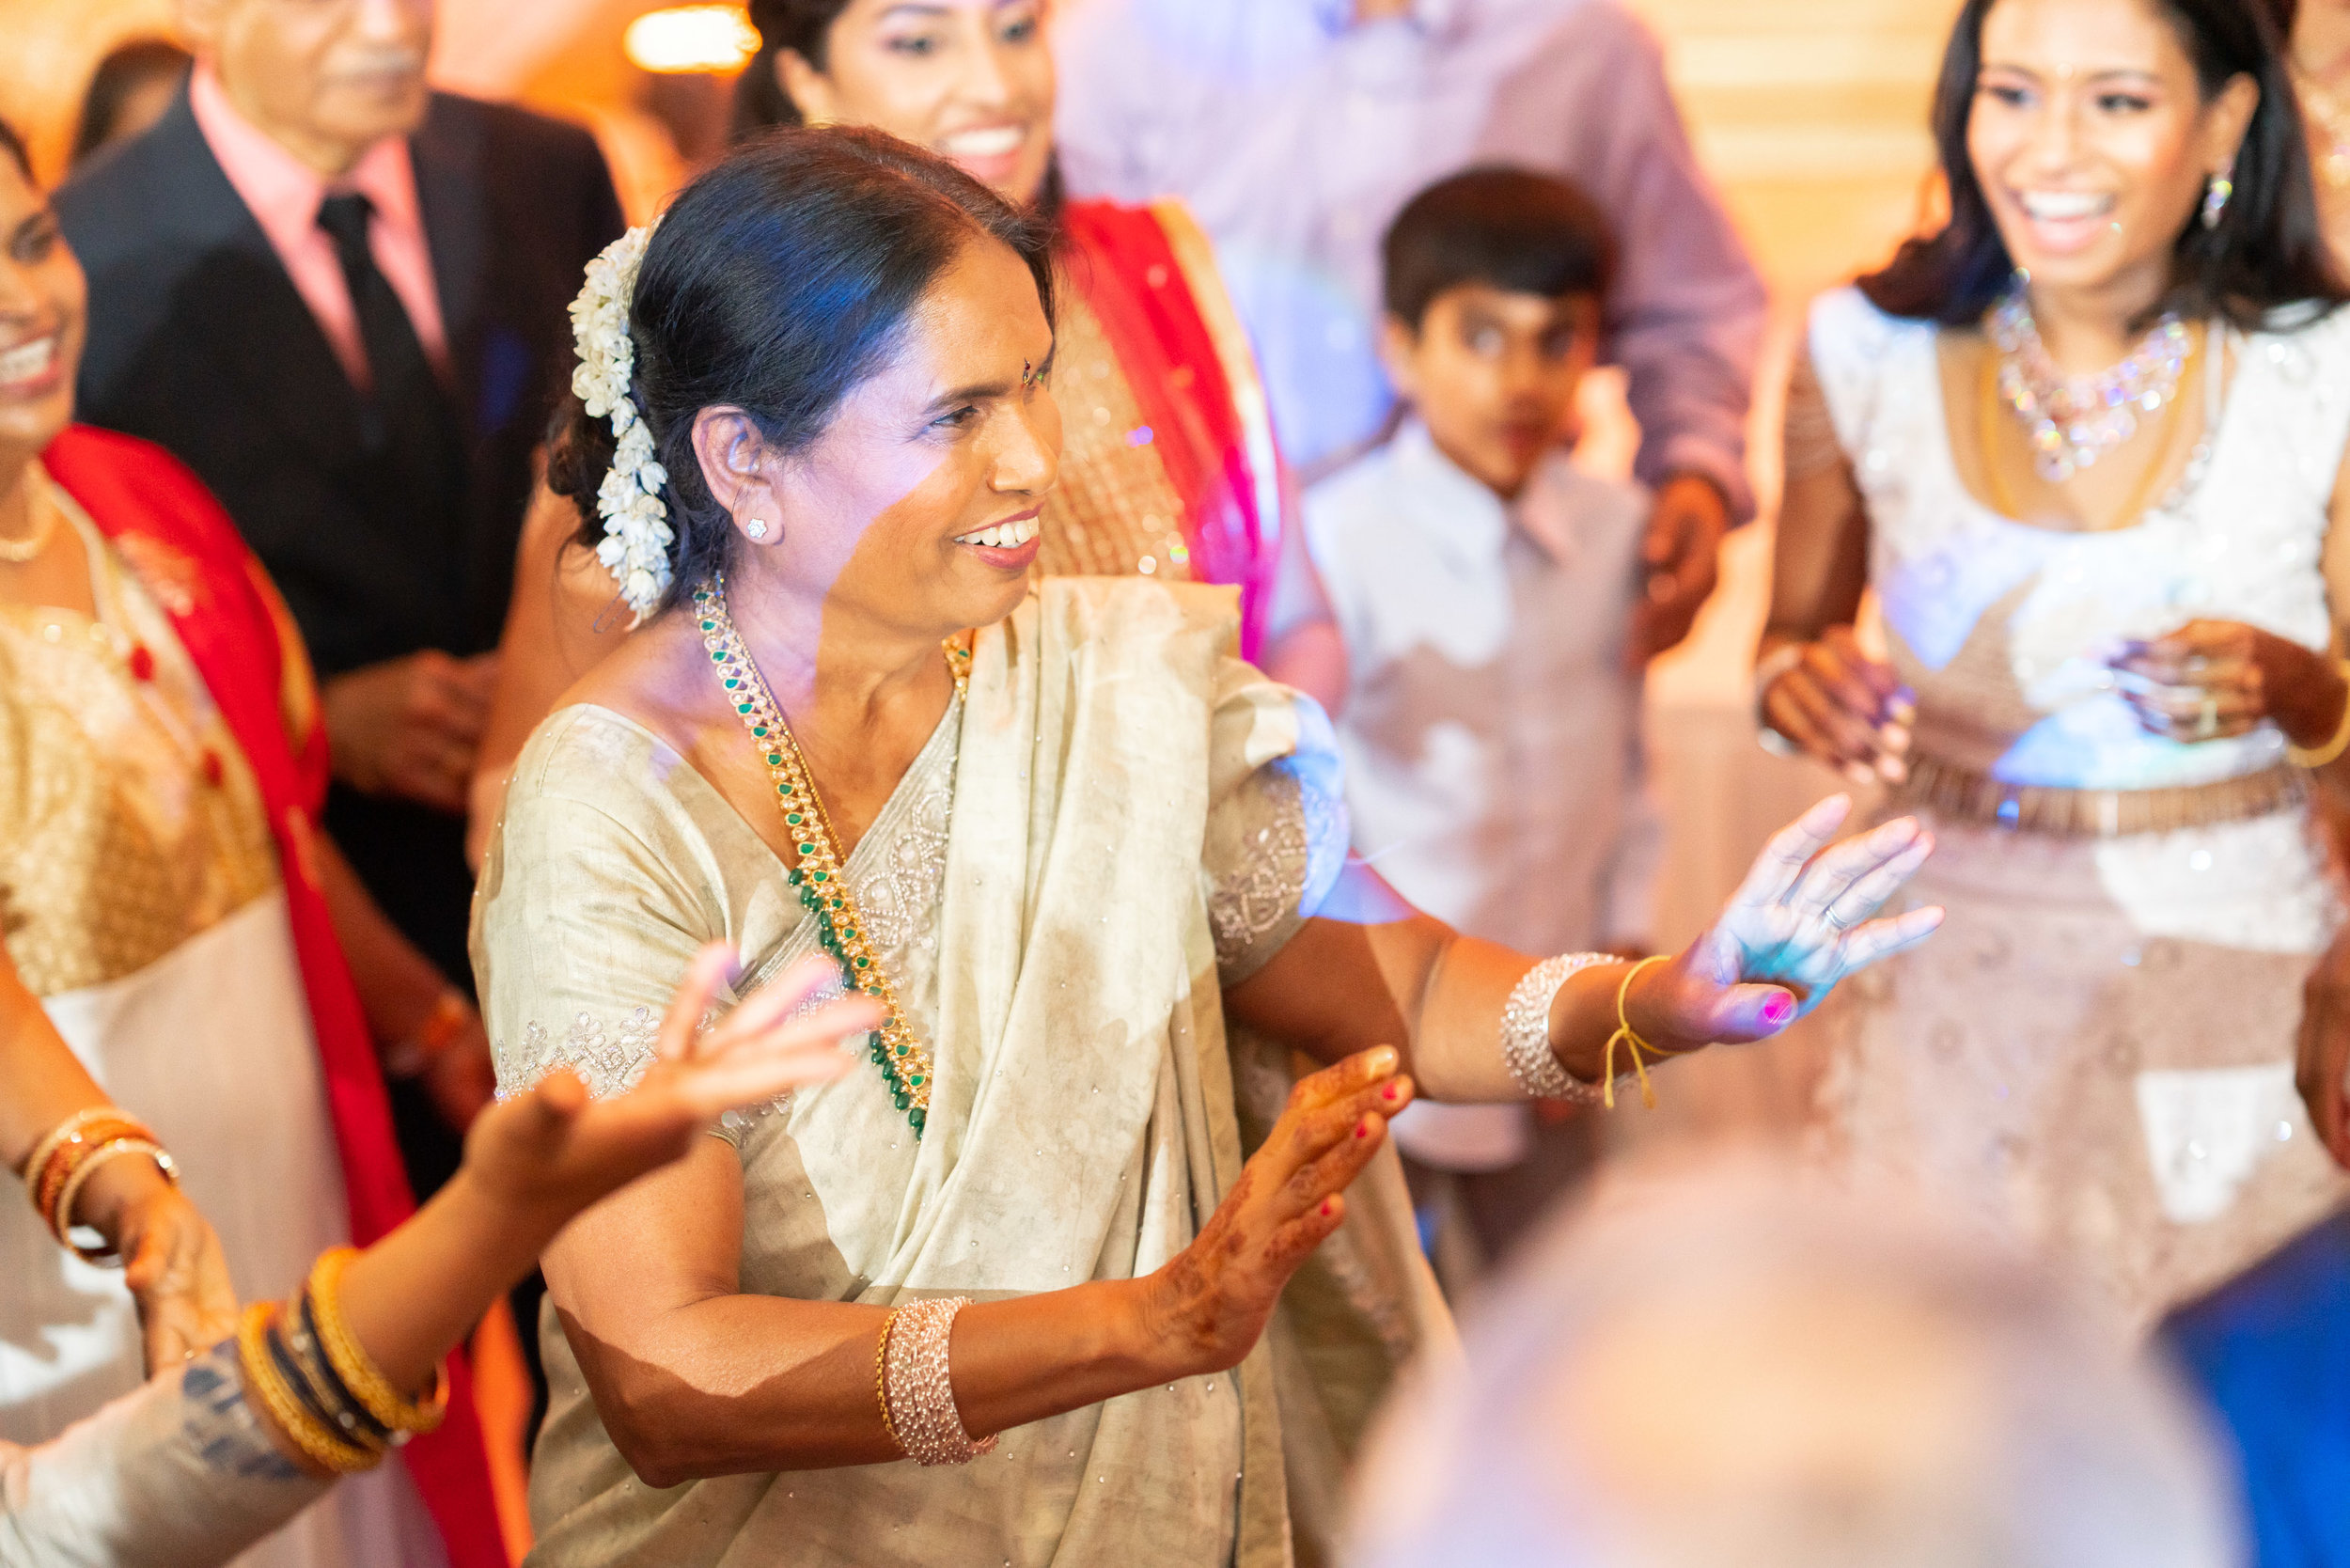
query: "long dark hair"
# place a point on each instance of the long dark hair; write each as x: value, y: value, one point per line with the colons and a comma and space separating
x: 120, y: 75
x: 777, y: 281
x: 2267, y: 251
x: 803, y: 27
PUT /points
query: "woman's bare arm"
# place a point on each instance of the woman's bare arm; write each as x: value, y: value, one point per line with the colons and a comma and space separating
x: 1370, y: 968
x: 561, y: 621
x: 694, y: 1378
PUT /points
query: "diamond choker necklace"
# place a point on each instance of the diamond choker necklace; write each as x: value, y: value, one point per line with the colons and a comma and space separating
x: 2075, y: 420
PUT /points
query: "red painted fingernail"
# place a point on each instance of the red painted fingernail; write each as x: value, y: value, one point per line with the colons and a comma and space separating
x: 1327, y: 1204
x: 1389, y: 1093
x: 1362, y: 1129
x: 1778, y: 1010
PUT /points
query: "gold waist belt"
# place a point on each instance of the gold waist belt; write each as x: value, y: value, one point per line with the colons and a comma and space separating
x: 1949, y: 791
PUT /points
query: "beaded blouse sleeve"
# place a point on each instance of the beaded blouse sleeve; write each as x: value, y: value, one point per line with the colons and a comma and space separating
x: 597, y: 892
x: 1277, y: 828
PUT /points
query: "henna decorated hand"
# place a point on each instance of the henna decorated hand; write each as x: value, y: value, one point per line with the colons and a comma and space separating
x: 1206, y: 1307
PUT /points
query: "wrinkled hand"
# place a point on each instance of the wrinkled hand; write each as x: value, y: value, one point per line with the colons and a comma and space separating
x: 1846, y: 709
x: 410, y: 727
x: 2325, y: 1048
x: 172, y: 1262
x: 555, y: 1151
x: 1208, y: 1304
x: 2210, y: 680
x: 1680, y: 560
x: 1801, y: 922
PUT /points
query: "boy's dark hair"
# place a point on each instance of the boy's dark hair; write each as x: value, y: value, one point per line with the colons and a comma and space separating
x: 1509, y: 228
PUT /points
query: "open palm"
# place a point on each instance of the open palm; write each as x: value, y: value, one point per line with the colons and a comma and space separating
x: 556, y: 1149
x: 1803, y: 919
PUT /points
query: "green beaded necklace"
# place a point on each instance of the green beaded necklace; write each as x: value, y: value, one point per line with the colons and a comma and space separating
x: 818, y: 877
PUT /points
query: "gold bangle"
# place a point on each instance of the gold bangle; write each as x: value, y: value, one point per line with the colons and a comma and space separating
x: 63, y: 1155
x: 114, y: 1147
x: 402, y: 1417
x: 326, y: 1451
x: 881, y: 1379
x: 2314, y: 758
x: 30, y: 1169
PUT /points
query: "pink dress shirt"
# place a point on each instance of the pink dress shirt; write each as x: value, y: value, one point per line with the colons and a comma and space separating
x: 282, y: 194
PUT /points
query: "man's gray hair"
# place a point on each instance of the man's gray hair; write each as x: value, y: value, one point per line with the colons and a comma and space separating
x: 1738, y: 1367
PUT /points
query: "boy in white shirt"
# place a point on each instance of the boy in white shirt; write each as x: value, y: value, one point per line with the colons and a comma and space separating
x: 1485, y: 586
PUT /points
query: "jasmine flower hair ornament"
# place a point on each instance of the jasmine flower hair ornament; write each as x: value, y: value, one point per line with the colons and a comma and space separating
x: 636, y: 536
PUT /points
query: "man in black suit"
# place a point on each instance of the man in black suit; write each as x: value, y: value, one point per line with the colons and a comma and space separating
x: 340, y: 298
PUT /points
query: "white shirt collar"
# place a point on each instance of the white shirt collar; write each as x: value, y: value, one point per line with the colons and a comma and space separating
x: 1465, y: 522
x: 1471, y: 524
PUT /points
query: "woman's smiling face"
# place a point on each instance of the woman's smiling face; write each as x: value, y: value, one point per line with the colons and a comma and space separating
x: 2091, y: 139
x: 971, y: 80
x: 43, y: 304
x: 919, y: 507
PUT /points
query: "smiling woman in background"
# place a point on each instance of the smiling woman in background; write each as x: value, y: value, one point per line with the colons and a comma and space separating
x: 1170, y: 468
x: 2086, y: 444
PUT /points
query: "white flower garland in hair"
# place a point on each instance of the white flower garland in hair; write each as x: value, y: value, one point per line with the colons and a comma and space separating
x: 637, y: 535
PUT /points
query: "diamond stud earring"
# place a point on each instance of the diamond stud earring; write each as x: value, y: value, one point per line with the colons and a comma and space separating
x: 755, y: 527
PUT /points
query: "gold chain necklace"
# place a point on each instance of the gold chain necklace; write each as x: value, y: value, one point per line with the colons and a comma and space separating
x: 19, y: 552
x: 818, y: 875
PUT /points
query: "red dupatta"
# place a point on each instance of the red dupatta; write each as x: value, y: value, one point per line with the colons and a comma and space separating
x: 1149, y: 275
x: 184, y: 547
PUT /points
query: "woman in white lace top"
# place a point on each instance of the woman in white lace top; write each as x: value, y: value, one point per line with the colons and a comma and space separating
x: 1067, y: 846
x: 2086, y: 446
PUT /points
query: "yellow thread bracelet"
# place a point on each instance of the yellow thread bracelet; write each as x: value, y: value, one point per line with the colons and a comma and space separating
x: 1631, y: 1038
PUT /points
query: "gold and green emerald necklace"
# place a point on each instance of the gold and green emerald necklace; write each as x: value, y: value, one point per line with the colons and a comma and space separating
x: 819, y: 877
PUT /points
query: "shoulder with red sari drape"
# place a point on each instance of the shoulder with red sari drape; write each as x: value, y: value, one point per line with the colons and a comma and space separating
x: 173, y: 535
x: 1146, y: 278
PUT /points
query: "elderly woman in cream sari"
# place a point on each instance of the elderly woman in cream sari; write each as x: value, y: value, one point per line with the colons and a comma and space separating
x: 1064, y: 838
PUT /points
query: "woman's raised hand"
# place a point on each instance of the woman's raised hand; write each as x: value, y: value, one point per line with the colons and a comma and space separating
x: 556, y: 1150
x: 1837, y: 704
x: 1802, y: 921
x: 1208, y: 1304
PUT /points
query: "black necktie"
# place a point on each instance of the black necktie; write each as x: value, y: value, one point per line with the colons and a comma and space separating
x: 408, y: 409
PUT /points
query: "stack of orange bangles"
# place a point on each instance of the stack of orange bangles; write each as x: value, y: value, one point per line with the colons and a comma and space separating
x: 63, y: 1161
x: 306, y: 1369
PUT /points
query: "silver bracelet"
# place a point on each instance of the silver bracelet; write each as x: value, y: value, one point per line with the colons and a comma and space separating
x: 1525, y: 1031
x: 919, y: 1390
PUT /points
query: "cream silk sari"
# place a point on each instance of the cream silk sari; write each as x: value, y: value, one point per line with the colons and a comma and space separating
x: 1119, y: 821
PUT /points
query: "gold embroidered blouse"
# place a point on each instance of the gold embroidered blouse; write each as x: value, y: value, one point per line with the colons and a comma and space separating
x: 128, y: 818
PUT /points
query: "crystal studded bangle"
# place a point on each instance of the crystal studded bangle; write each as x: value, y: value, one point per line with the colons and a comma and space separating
x: 1525, y: 1031
x: 918, y: 1390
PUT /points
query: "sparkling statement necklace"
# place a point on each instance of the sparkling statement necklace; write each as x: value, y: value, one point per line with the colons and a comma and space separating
x: 2075, y: 420
x: 818, y: 877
